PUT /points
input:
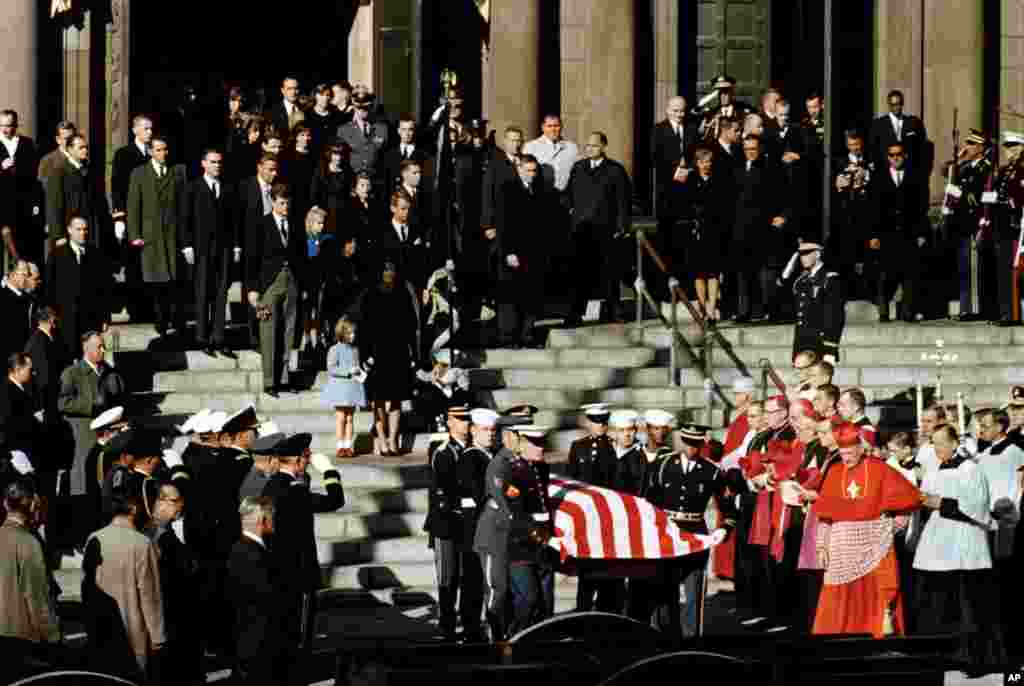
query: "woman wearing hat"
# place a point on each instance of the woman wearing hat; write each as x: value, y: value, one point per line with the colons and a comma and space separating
x: 388, y: 344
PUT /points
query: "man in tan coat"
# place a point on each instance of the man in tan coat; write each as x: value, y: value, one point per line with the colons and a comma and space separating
x: 121, y: 591
x: 26, y: 607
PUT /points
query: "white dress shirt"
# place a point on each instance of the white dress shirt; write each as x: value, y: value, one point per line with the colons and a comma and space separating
x: 897, y: 125
x: 11, y: 144
x: 556, y: 159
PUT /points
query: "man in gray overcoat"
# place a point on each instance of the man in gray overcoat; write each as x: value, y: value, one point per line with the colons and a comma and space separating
x: 155, y: 194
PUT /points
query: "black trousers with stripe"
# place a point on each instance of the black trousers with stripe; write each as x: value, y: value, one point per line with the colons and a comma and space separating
x: 460, y: 576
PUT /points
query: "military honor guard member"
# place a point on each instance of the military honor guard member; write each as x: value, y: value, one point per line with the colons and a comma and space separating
x: 682, y: 484
x: 592, y: 460
x: 294, y: 549
x: 513, y: 529
x: 456, y: 497
x: 262, y: 468
x: 630, y: 461
x: 969, y: 230
x: 820, y: 313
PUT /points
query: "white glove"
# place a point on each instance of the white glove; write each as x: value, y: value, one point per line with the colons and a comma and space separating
x: 989, y: 197
x: 639, y: 285
x: 321, y: 462
x: 437, y: 114
x: 38, y: 415
x: 512, y: 261
x: 921, y: 240
x: 172, y: 459
x: 238, y: 254
x: 831, y: 359
x: 119, y: 229
x: 119, y: 276
x: 449, y: 266
x: 718, y: 535
x: 178, y: 527
x: 190, y: 255
x: 21, y: 462
x: 673, y: 283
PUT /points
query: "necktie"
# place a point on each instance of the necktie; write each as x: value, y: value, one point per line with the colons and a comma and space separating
x: 366, y: 130
x: 216, y: 190
x: 406, y: 152
x: 403, y: 231
x: 80, y: 253
x: 160, y: 171
x: 899, y: 129
x: 284, y: 230
x: 267, y: 202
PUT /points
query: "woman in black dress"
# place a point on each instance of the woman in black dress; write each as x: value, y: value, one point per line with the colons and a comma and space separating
x: 703, y: 202
x: 298, y: 164
x: 332, y: 187
x: 387, y: 341
x: 343, y: 276
x: 323, y: 119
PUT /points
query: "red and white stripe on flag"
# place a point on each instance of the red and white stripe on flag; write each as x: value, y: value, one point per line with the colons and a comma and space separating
x: 593, y: 523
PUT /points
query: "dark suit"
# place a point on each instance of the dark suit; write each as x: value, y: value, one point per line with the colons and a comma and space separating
x: 126, y: 160
x: 898, y: 220
x: 390, y: 162
x: 79, y: 292
x: 883, y: 134
x: 72, y: 192
x: 499, y: 170
x: 249, y: 210
x: 19, y: 183
x: 256, y: 594
x: 49, y: 358
x: 667, y: 149
x: 757, y: 245
x: 14, y: 308
x: 206, y: 227
x: 408, y: 256
x: 600, y: 203
x: 276, y: 272
x: 278, y: 116
x: 522, y: 218
x: 19, y: 429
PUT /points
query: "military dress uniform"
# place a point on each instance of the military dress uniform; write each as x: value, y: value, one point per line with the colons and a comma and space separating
x: 1007, y: 225
x: 820, y: 313
x: 683, y: 486
x: 508, y: 538
x: 592, y: 460
x: 967, y: 217
x: 456, y: 497
x: 294, y: 544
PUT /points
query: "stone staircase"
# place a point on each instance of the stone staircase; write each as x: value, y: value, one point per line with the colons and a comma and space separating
x: 376, y: 545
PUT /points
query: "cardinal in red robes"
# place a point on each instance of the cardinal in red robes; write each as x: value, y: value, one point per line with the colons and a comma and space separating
x: 855, y: 507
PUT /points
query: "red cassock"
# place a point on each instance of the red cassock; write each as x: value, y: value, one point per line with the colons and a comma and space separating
x: 862, y: 577
x: 787, y: 467
x: 777, y: 453
x: 724, y: 556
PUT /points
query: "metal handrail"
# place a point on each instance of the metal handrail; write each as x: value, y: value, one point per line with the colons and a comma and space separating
x: 709, y: 333
x: 768, y: 372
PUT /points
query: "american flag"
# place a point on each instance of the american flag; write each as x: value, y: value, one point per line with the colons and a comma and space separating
x: 593, y: 523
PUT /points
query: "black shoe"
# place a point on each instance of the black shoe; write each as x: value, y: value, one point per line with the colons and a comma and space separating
x: 272, y: 392
x: 210, y: 351
x: 883, y: 319
x: 741, y: 318
x: 968, y: 317
x: 227, y: 352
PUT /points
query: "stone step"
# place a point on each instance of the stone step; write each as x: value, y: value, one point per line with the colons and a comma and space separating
x: 384, y: 551
x: 343, y: 526
x: 591, y: 356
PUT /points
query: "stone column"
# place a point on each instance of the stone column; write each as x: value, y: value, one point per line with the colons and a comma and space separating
x: 666, y: 55
x: 120, y: 52
x: 1011, y: 80
x: 18, y: 22
x: 597, y: 73
x: 512, y: 67
x: 953, y: 76
x: 362, y: 45
x: 898, y: 53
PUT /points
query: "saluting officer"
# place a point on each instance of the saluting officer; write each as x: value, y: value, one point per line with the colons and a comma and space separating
x: 682, y: 484
x: 592, y: 460
x: 263, y: 466
x: 294, y: 548
x: 456, y: 495
x: 820, y: 313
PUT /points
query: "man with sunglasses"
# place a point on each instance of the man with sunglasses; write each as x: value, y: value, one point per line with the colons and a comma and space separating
x: 820, y: 313
x: 898, y: 232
